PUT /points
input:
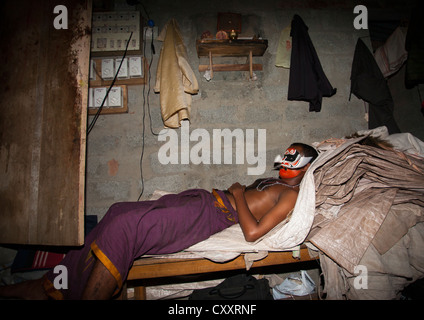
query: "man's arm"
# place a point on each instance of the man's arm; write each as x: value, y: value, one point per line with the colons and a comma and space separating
x: 253, y: 229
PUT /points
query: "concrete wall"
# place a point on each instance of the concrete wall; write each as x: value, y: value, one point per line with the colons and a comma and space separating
x: 230, y: 100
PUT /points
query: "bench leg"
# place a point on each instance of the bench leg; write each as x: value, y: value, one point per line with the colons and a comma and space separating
x: 140, y: 293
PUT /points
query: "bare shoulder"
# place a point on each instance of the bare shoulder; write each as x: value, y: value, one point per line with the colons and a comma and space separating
x: 287, y: 193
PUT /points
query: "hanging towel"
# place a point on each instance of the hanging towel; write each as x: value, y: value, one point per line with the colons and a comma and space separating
x: 284, y: 49
x: 307, y: 81
x: 175, y: 80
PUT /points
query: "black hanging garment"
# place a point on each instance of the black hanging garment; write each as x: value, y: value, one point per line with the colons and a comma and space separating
x: 369, y: 84
x: 414, y: 73
x: 307, y: 81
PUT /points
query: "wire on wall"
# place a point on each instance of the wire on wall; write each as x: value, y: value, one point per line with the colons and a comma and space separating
x: 146, y: 103
x: 146, y: 100
x: 96, y: 116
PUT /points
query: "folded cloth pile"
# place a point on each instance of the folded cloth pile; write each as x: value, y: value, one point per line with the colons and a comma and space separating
x: 367, y: 199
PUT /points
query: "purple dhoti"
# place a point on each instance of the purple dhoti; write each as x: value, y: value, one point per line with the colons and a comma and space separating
x: 132, y: 229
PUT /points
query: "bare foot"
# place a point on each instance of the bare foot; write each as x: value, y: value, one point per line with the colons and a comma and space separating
x: 27, y: 290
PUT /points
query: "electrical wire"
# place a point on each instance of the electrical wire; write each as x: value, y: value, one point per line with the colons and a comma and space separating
x: 144, y: 8
x: 96, y: 116
x: 142, y: 124
x: 136, y: 2
x: 145, y: 101
x: 148, y: 92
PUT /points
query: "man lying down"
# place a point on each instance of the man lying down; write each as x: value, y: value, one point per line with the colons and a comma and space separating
x: 168, y: 225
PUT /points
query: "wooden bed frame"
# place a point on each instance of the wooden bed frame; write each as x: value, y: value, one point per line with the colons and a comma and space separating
x: 151, y: 268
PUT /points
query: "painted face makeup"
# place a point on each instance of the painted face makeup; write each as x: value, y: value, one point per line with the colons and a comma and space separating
x: 288, y: 173
x: 290, y: 163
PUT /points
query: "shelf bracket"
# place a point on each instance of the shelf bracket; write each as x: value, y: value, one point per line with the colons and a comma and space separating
x: 248, y: 66
x: 251, y: 64
x: 210, y: 64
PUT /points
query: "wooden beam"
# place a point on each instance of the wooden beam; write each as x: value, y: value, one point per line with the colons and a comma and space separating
x: 230, y: 48
x: 43, y: 117
x: 148, y: 268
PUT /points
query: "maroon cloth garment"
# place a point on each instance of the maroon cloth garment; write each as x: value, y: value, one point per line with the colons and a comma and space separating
x: 132, y: 229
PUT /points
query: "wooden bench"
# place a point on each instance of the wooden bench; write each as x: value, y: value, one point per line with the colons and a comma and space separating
x: 150, y: 268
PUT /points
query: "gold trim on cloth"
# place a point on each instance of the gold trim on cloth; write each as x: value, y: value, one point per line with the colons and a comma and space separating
x: 219, y: 203
x: 51, y: 291
x: 108, y: 264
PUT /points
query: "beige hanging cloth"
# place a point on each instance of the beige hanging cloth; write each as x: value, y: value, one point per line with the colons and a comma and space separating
x: 175, y: 80
x: 284, y: 49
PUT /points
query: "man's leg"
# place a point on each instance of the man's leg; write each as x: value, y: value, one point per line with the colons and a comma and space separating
x: 27, y: 290
x: 101, y: 284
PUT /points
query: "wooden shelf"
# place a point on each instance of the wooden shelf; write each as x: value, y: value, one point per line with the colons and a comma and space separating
x: 231, y: 48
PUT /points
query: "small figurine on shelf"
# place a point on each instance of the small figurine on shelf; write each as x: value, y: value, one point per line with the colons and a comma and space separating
x: 206, y: 35
x: 233, y: 34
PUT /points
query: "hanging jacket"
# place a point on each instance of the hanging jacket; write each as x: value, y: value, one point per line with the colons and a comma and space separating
x: 414, y: 73
x: 307, y: 81
x: 175, y: 80
x: 369, y: 84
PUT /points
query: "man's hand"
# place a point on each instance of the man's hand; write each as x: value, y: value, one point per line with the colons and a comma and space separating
x: 237, y: 189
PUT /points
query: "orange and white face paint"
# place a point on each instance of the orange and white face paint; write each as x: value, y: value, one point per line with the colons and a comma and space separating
x: 288, y: 173
x: 290, y: 163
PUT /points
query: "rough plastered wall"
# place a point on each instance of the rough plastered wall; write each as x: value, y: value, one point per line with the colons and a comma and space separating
x: 118, y: 144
